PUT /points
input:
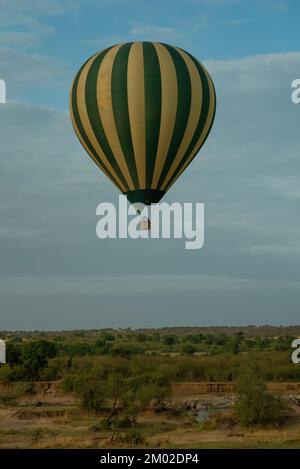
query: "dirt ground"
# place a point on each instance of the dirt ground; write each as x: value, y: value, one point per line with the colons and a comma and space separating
x: 43, y: 417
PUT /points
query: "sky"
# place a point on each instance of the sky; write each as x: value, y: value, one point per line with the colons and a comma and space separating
x: 54, y: 272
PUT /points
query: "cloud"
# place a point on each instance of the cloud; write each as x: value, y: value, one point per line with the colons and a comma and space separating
x: 23, y: 28
x: 138, y: 33
x: 216, y: 2
x: 18, y: 39
x: 282, y: 249
x: 238, y: 22
x: 276, y: 5
x: 288, y: 186
x: 22, y: 21
x: 18, y: 12
x: 251, y: 157
x: 129, y: 285
x: 22, y: 70
x: 105, y: 41
x: 247, y: 175
x: 45, y: 176
x: 155, y: 33
x: 124, y: 301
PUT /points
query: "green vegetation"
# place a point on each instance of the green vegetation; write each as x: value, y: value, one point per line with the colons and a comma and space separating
x: 256, y: 406
x: 119, y: 387
x: 147, y: 388
x: 181, y: 355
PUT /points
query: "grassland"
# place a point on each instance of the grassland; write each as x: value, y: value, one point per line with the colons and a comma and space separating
x: 48, y: 418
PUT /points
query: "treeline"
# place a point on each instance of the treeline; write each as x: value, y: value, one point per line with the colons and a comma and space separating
x: 133, y: 343
x: 249, y: 331
x: 222, y: 360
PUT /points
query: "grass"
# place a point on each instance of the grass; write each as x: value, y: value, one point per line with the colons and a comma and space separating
x: 68, y: 426
x: 288, y: 444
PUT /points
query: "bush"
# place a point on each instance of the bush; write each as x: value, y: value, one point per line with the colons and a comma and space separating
x: 169, y: 340
x: 13, y: 373
x: 255, y: 406
x: 126, y: 350
x: 92, y: 398
x: 220, y: 419
x: 5, y: 374
x: 13, y: 352
x: 188, y: 348
x: 55, y: 370
x: 8, y: 399
x: 133, y: 437
x: 35, y: 356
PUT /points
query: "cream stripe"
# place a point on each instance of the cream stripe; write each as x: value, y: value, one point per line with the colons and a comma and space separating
x: 87, y: 149
x: 106, y: 111
x: 196, y: 105
x: 168, y: 108
x: 203, y: 135
x: 83, y: 114
x: 136, y: 108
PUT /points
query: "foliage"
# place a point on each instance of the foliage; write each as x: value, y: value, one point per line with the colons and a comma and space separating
x: 125, y: 350
x: 132, y: 437
x: 201, y: 356
x: 188, y: 348
x: 120, y: 386
x: 255, y: 406
x: 92, y: 397
x: 35, y: 356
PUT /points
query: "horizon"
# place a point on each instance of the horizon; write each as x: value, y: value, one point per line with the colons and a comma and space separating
x: 160, y: 328
x: 54, y: 272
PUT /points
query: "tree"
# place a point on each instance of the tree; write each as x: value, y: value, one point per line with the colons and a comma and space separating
x: 141, y: 337
x: 169, y: 340
x: 133, y: 395
x: 189, y: 348
x: 92, y: 397
x: 13, y: 352
x: 35, y: 356
x: 124, y: 396
x: 125, y: 350
x: 255, y: 406
x: 234, y: 343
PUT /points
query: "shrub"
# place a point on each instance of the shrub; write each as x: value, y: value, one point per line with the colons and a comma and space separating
x: 126, y: 350
x: 188, y: 348
x: 255, y: 406
x: 8, y: 399
x: 132, y: 437
x: 35, y: 356
x: 92, y: 398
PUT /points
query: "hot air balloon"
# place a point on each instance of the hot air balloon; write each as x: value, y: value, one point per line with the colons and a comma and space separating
x: 142, y: 111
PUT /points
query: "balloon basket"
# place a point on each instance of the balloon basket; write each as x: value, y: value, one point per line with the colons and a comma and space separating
x: 145, y: 224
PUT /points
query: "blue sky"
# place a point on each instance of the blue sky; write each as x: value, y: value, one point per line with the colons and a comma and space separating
x: 71, y: 30
x: 54, y: 271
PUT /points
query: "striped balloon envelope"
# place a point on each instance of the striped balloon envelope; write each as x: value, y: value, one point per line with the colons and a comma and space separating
x: 142, y: 111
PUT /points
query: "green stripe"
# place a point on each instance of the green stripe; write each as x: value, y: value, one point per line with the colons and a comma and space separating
x: 145, y: 196
x: 120, y: 108
x: 94, y: 115
x: 152, y: 77
x: 79, y: 123
x: 206, y: 102
x: 183, y: 110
